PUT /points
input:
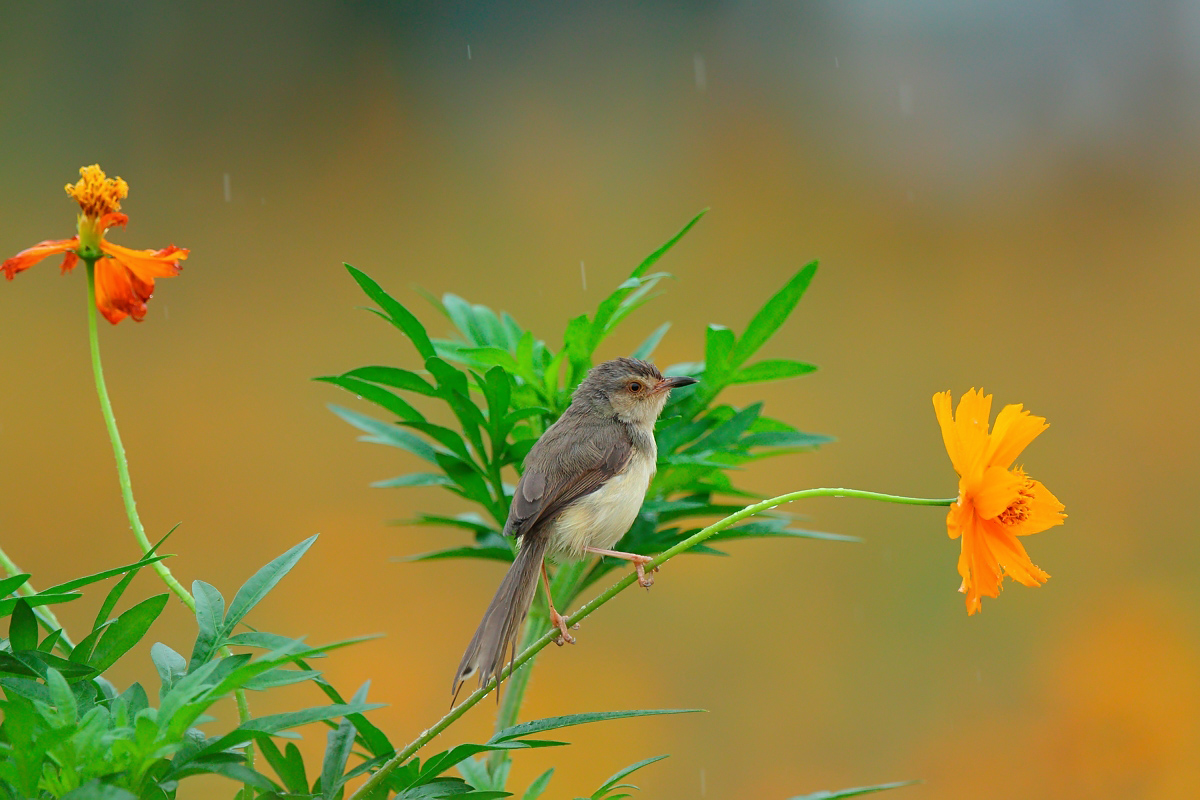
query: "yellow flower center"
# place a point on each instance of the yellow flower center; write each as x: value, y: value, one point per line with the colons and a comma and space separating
x: 1018, y: 511
x: 96, y: 193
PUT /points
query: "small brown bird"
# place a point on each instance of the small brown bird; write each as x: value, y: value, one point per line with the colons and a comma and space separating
x: 583, y: 484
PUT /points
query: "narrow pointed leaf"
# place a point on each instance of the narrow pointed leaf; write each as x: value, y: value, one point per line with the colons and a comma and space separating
x: 772, y: 315
x: 840, y: 793
x: 612, y: 782
x: 126, y: 631
x: 23, y: 627
x: 262, y: 582
x: 553, y: 723
x: 646, y: 349
x: 395, y: 312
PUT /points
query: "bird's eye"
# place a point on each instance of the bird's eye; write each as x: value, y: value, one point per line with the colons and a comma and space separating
x: 635, y: 386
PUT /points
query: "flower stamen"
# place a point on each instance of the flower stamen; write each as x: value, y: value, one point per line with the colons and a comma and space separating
x: 96, y: 193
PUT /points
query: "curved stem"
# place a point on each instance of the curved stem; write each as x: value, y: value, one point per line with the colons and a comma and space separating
x: 114, y: 436
x: 135, y: 522
x: 376, y: 780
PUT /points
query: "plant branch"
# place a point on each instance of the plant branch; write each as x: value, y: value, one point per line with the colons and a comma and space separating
x: 375, y: 782
x: 114, y: 436
x: 135, y: 522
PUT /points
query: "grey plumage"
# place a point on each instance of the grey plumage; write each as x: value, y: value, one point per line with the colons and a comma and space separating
x: 607, y: 428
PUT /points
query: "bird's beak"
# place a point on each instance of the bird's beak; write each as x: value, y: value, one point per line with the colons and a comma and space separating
x: 673, y: 382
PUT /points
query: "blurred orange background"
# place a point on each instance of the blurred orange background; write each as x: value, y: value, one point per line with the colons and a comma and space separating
x: 1000, y: 195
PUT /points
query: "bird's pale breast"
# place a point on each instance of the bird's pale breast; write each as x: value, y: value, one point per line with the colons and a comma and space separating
x: 601, y: 518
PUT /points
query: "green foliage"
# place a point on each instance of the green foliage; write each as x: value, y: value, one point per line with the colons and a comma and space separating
x: 503, y: 387
x: 68, y: 732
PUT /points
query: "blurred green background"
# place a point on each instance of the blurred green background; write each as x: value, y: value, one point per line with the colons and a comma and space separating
x: 1001, y: 195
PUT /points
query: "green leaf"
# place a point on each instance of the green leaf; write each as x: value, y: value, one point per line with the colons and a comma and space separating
x: 463, y: 317
x: 646, y: 348
x: 210, y: 612
x: 279, y: 677
x: 262, y: 582
x: 552, y: 723
x: 649, y: 260
x: 170, y: 665
x: 772, y: 370
x: 95, y: 790
x: 115, y: 593
x: 718, y: 344
x: 40, y: 599
x: 126, y: 631
x: 338, y: 744
x: 82, y: 652
x: 612, y: 782
x: 274, y: 723
x: 772, y: 315
x: 289, y: 768
x: 385, y: 433
x: 61, y: 696
x: 784, y: 439
x: 836, y: 795
x: 396, y: 313
x: 23, y: 627
x: 538, y: 786
x: 375, y: 394
x: 486, y: 553
x: 108, y: 573
x: 395, y: 377
x: 269, y: 641
x: 414, y: 479
x: 12, y: 583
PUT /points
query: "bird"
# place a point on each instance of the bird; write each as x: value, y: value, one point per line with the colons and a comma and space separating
x: 582, y: 487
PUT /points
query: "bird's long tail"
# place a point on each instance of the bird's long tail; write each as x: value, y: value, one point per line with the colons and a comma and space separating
x: 501, y: 625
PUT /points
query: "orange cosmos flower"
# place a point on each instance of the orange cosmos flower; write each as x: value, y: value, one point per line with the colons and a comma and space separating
x: 996, y: 502
x: 124, y: 277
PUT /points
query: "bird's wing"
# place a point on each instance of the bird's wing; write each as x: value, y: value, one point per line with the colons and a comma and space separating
x: 550, y: 484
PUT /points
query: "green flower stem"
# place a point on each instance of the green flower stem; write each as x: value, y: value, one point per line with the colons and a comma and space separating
x: 135, y: 522
x: 65, y: 645
x: 375, y: 782
x: 114, y: 436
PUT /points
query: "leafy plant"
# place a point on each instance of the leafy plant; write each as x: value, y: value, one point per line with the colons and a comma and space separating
x: 504, y: 387
x: 68, y: 731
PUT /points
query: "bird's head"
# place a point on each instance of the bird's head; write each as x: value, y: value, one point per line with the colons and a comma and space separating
x: 632, y: 390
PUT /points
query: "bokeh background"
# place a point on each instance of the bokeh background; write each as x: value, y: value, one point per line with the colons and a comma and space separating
x: 1000, y: 194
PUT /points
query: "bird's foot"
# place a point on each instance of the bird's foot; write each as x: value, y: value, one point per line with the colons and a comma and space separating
x: 560, y: 622
x: 644, y: 580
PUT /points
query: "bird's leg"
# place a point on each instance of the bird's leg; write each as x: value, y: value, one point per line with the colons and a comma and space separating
x: 556, y: 619
x: 638, y: 563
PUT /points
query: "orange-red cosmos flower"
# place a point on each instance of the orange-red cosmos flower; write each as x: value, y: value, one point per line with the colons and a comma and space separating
x: 124, y: 277
x: 996, y: 502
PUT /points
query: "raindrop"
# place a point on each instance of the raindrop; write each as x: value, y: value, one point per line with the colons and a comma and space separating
x: 583, y: 275
x: 468, y: 51
x: 228, y: 189
x: 701, y: 72
x: 835, y: 62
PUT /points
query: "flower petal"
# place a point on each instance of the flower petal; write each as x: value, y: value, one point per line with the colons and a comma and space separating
x: 1012, y: 433
x: 30, y: 256
x: 945, y: 418
x: 971, y: 429
x: 978, y: 566
x: 116, y: 297
x: 147, y: 264
x: 1011, y: 555
x: 1045, y: 511
x: 996, y: 491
